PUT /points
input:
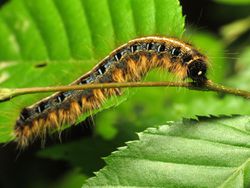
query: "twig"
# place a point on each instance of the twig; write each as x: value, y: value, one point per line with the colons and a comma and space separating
x: 8, y: 93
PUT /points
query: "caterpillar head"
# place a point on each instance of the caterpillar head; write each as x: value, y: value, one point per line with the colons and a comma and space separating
x: 197, y: 71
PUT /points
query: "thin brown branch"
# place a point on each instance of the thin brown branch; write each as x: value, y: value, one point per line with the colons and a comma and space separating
x: 7, y: 93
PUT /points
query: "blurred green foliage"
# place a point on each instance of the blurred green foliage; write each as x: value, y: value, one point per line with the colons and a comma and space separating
x: 70, y: 37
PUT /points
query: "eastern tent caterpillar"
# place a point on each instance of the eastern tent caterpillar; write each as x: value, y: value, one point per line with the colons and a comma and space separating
x: 129, y: 62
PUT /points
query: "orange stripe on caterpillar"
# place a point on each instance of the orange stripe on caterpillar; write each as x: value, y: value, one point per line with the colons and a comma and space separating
x: 130, y: 62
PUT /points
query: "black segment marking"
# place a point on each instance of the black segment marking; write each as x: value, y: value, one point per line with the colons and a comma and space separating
x: 149, y: 46
x: 25, y: 114
x: 133, y: 48
x: 100, y: 72
x: 41, y: 107
x: 83, y: 81
x: 161, y: 48
x: 176, y: 51
x: 102, y: 69
x: 60, y: 97
x: 118, y: 56
x: 38, y: 109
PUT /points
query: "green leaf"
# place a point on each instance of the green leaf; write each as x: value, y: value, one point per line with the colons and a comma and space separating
x: 211, y: 152
x: 69, y: 38
x: 233, y: 31
x: 242, y: 77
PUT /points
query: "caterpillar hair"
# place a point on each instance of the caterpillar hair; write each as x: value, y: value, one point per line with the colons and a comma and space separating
x: 129, y: 62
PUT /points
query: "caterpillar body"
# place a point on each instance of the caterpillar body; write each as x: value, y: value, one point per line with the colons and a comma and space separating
x: 129, y: 62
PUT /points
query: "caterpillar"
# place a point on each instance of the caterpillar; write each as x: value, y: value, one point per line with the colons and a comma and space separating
x: 129, y: 62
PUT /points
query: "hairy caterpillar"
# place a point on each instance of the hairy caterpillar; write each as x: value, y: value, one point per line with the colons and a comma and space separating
x: 130, y: 62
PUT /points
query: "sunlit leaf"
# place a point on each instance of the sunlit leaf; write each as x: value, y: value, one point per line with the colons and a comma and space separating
x: 211, y: 152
